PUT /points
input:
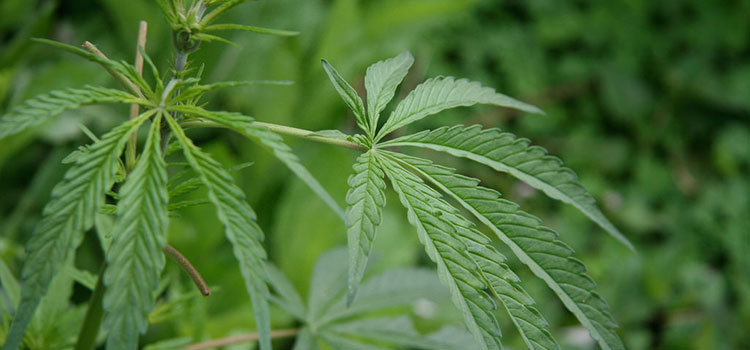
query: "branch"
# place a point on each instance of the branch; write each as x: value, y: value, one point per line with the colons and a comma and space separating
x: 285, y: 130
x: 132, y: 144
x: 279, y: 333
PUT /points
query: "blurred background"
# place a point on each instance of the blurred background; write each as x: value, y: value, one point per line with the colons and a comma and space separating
x: 648, y: 101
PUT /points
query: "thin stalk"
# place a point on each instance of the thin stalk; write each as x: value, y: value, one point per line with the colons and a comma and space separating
x: 134, y: 108
x: 123, y: 80
x: 285, y: 130
x: 279, y: 333
x: 93, y: 319
x: 186, y: 266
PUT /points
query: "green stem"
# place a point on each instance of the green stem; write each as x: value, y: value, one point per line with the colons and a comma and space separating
x: 285, y: 130
x: 94, y: 314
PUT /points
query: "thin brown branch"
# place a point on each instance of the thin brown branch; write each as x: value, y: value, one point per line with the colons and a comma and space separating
x: 134, y: 108
x: 181, y: 260
x: 123, y: 80
x: 279, y: 333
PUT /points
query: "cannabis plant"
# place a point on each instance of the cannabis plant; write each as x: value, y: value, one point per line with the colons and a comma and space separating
x: 110, y: 177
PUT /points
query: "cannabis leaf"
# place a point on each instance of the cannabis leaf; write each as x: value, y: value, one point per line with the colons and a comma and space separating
x: 267, y: 139
x: 381, y: 81
x: 436, y: 223
x: 438, y: 94
x: 503, y: 282
x: 536, y: 246
x: 42, y: 108
x: 240, y: 226
x: 328, y: 320
x: 504, y: 152
x: 366, y: 201
x: 135, y: 259
x: 67, y: 216
x: 467, y: 263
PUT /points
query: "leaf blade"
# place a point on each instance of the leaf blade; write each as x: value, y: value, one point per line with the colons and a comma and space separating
x: 381, y: 81
x: 505, y: 284
x: 241, y: 228
x: 505, y: 153
x: 41, y: 108
x: 437, y: 94
x: 136, y: 258
x: 349, y: 95
x: 433, y: 219
x: 68, y: 214
x: 537, y: 247
x: 366, y: 199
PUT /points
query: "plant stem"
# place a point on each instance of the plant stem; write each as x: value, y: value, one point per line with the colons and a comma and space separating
x: 186, y: 266
x: 123, y: 80
x: 130, y: 155
x: 93, y: 319
x: 279, y: 333
x: 286, y: 130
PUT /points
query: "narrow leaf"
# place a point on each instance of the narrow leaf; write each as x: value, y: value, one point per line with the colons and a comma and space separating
x: 69, y: 213
x: 443, y: 233
x: 44, y: 107
x: 536, y: 246
x: 135, y: 259
x: 381, y: 81
x: 396, y: 331
x: 366, y: 201
x: 438, y: 94
x: 259, y: 30
x: 271, y: 142
x: 504, y: 152
x: 240, y: 227
x: 287, y: 298
x: 349, y: 95
x: 502, y: 281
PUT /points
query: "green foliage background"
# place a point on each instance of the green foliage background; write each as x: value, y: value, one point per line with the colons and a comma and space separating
x: 648, y: 101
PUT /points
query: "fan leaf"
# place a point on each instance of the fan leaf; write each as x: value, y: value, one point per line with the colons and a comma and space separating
x: 443, y: 238
x: 136, y: 258
x: 441, y: 93
x: 241, y: 228
x: 363, y: 215
x: 69, y: 213
x: 269, y: 140
x: 42, y: 108
x: 503, y: 282
x: 381, y: 81
x: 504, y: 152
x: 536, y: 246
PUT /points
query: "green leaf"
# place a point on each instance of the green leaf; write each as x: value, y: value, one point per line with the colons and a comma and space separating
x: 502, y: 281
x: 444, y: 233
x: 10, y: 288
x: 397, y: 287
x: 135, y: 259
x: 69, y: 213
x: 259, y: 30
x: 504, y: 152
x: 438, y: 94
x: 287, y: 298
x: 268, y: 140
x: 536, y: 246
x: 397, y: 331
x: 327, y: 285
x: 363, y: 215
x: 218, y: 10
x: 381, y: 81
x: 240, y: 227
x: 305, y: 340
x: 198, y: 90
x: 42, y: 108
x: 349, y: 95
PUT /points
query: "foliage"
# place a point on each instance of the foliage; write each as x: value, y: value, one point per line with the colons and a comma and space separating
x: 645, y: 100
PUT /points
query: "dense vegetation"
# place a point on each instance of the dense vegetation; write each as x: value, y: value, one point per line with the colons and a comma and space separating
x: 647, y: 101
